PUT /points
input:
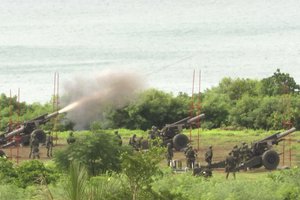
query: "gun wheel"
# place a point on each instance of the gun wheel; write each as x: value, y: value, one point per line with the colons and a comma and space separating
x: 180, y: 141
x: 270, y: 159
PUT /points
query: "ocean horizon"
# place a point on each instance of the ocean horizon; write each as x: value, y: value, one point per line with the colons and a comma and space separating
x: 163, y: 41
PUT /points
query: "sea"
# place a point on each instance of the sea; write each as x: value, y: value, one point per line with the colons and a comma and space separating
x: 164, y: 41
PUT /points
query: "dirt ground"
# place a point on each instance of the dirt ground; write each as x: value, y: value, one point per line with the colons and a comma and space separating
x: 220, y: 151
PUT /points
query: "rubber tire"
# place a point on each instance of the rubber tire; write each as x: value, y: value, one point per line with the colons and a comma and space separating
x: 180, y: 141
x: 270, y: 159
x: 40, y: 134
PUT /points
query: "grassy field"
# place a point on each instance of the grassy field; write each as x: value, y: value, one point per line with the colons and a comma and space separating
x: 255, y: 184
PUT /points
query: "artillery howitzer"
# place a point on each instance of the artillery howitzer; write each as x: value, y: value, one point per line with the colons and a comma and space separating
x: 172, y: 133
x: 25, y: 130
x: 261, y: 153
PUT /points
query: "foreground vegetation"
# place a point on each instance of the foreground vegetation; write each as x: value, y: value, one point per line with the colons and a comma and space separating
x: 166, y: 185
x: 95, y: 167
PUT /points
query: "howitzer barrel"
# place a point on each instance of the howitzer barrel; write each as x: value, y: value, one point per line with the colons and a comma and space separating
x: 15, y: 132
x: 198, y: 117
x: 52, y: 115
x: 285, y: 133
x: 180, y: 121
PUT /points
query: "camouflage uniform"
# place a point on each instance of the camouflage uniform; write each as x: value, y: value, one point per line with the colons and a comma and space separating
x: 153, y: 133
x: 209, y: 155
x: 2, y: 154
x: 71, y: 139
x: 169, y: 154
x: 236, y: 154
x: 32, y: 136
x: 190, y: 157
x: 139, y: 143
x: 118, y: 138
x: 133, y: 142
x: 197, y: 170
x: 35, y: 148
x: 245, y: 151
x: 230, y: 165
x: 49, y: 144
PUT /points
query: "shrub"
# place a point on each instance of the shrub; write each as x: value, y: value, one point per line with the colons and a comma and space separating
x: 34, y: 172
x: 99, y: 152
x: 8, y: 173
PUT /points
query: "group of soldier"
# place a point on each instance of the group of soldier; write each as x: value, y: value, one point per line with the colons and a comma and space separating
x: 137, y: 143
x: 35, y: 144
x: 236, y: 158
x: 140, y: 143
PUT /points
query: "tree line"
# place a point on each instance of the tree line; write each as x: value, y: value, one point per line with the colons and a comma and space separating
x: 270, y: 103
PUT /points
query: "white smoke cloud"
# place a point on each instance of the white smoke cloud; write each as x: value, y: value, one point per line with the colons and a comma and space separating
x: 86, y: 98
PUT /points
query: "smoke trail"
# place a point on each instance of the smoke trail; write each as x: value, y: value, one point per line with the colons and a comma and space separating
x: 86, y: 98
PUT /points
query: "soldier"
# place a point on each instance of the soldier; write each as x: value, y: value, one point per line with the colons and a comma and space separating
x: 197, y: 170
x: 71, y: 139
x: 133, y: 142
x: 236, y: 154
x: 230, y: 165
x: 243, y: 152
x: 209, y: 155
x: 35, y: 148
x: 2, y: 154
x: 49, y: 144
x: 139, y: 143
x: 32, y: 136
x: 153, y: 133
x: 118, y: 138
x: 190, y: 157
x: 169, y: 154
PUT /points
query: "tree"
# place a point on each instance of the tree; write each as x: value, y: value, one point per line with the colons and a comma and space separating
x: 237, y: 88
x: 216, y: 108
x: 140, y: 168
x: 243, y: 114
x: 278, y: 84
x: 153, y: 107
x: 99, y: 152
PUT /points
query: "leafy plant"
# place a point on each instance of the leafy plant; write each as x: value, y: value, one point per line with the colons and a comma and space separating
x: 99, y: 152
x: 34, y: 172
x: 140, y: 169
x: 8, y: 173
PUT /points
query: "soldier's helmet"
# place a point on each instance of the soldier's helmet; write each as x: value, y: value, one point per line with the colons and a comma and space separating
x: 116, y: 132
x: 243, y: 143
x: 134, y: 135
x: 235, y: 146
x: 210, y: 146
